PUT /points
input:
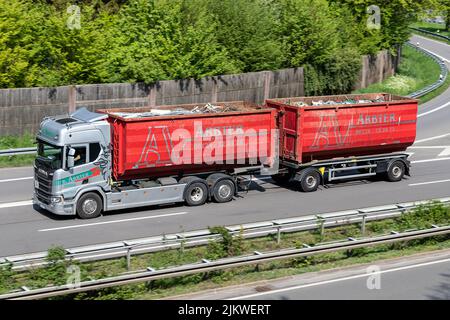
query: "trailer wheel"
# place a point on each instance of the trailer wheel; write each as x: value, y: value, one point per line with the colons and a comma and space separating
x: 224, y: 191
x: 196, y: 194
x: 309, y: 180
x: 396, y: 171
x: 89, y: 206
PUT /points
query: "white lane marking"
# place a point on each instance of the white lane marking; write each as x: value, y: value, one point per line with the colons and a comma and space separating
x: 433, y: 138
x: 429, y: 147
x: 114, y: 221
x: 430, y: 160
x: 16, y: 204
x: 340, y: 279
x: 434, y: 110
x: 445, y: 152
x: 437, y: 42
x: 426, y: 183
x: 440, y: 57
x: 16, y: 179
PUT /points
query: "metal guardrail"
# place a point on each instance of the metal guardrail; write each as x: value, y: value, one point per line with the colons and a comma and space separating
x: 437, y: 35
x: 206, y: 266
x: 17, y: 152
x: 437, y: 84
x: 128, y: 248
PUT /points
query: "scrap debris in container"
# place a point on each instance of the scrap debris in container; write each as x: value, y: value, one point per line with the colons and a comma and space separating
x: 208, y: 108
x: 332, y: 102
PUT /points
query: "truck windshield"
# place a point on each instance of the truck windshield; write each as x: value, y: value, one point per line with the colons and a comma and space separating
x: 49, y: 154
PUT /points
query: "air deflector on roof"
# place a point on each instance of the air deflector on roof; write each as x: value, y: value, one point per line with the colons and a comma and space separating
x: 85, y: 115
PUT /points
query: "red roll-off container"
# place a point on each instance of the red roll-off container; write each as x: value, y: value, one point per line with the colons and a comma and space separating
x: 142, y: 146
x: 309, y: 133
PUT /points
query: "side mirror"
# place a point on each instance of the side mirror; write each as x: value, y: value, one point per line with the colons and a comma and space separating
x: 71, y: 158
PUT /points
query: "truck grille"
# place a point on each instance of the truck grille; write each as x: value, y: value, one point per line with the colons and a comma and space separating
x: 42, y: 196
x: 44, y: 190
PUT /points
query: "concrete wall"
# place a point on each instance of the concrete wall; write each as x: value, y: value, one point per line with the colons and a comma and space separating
x: 378, y: 67
x: 21, y: 110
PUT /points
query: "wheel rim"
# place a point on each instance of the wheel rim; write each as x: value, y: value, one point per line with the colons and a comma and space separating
x: 197, y: 194
x: 311, y: 181
x: 396, y: 172
x: 89, y: 206
x: 224, y: 191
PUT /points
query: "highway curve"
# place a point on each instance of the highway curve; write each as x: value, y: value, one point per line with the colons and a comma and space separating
x: 24, y: 229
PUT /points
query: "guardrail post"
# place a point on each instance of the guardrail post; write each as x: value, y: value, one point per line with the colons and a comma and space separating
x: 278, y: 235
x: 363, y: 225
x: 183, y: 240
x: 128, y: 259
x: 322, y: 227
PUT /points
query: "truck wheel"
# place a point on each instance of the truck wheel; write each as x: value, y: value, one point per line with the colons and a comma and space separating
x: 223, y: 191
x: 196, y: 194
x: 396, y: 171
x: 89, y: 206
x: 310, y: 180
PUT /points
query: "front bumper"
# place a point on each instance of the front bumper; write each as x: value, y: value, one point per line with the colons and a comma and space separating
x: 64, y: 208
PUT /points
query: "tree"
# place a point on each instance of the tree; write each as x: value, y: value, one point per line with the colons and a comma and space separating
x: 396, y: 16
x: 446, y: 10
x: 37, y: 48
x: 160, y: 39
x: 248, y: 31
x: 321, y: 38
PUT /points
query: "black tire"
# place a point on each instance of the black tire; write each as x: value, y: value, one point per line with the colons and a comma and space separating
x: 282, y: 178
x: 89, y: 206
x: 310, y: 180
x: 224, y: 191
x: 396, y: 171
x: 196, y: 194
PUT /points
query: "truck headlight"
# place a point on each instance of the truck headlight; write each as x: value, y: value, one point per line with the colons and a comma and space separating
x: 57, y: 199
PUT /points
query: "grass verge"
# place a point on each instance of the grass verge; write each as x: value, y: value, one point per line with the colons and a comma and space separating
x: 416, y: 71
x: 437, y: 92
x: 55, y: 272
x: 12, y: 142
x: 432, y: 27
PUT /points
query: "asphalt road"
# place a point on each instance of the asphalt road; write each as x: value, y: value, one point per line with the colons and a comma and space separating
x: 420, y: 277
x: 24, y: 229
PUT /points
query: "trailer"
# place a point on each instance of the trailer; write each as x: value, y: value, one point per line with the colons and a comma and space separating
x: 331, y: 138
x: 93, y: 162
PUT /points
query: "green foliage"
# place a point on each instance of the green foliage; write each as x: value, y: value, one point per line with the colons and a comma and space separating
x: 227, y: 245
x: 320, y: 37
x: 55, y: 255
x: 424, y: 216
x: 396, y: 16
x: 149, y: 40
x: 55, y: 271
x: 13, y: 142
x: 164, y: 39
x: 6, y: 278
x: 248, y: 30
x: 416, y: 71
